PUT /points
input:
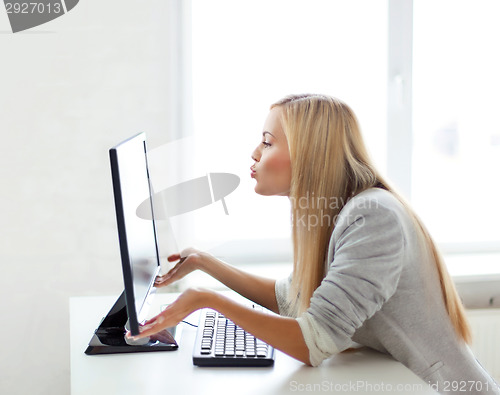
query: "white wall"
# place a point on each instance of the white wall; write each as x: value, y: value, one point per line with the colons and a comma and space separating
x: 69, y: 90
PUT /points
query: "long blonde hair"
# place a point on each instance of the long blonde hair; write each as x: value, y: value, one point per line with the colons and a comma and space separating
x: 330, y: 161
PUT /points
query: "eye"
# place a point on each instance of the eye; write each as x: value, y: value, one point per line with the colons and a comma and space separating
x: 266, y: 144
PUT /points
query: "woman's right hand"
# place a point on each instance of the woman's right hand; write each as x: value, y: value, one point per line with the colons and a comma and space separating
x: 188, y: 261
x: 259, y: 289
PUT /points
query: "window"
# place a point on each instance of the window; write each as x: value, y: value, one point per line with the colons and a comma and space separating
x: 426, y: 98
x: 456, y: 132
x: 245, y: 56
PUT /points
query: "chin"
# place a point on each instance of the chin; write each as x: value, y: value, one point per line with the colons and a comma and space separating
x: 264, y: 192
x: 260, y: 191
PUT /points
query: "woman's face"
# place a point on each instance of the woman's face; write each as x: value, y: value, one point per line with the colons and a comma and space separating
x: 272, y: 168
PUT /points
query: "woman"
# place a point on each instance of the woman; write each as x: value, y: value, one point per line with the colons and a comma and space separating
x: 365, y: 268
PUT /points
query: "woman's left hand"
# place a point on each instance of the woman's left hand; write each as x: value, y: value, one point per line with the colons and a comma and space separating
x: 189, y: 301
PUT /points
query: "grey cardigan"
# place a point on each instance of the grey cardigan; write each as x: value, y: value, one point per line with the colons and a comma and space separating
x: 381, y: 290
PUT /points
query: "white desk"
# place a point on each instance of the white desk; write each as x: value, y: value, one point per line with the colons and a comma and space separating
x: 361, y: 372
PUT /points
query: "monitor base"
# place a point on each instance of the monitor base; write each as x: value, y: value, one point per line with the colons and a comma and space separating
x: 109, y: 337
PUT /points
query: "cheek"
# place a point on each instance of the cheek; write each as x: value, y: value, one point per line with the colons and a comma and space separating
x: 275, y: 175
x: 278, y: 164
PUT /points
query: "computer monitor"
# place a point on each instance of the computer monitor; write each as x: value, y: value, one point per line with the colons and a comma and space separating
x: 139, y: 255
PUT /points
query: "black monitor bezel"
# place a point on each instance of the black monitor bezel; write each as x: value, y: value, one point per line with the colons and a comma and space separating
x: 130, y: 298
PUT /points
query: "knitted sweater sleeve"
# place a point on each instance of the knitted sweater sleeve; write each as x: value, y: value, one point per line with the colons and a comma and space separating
x: 367, y: 245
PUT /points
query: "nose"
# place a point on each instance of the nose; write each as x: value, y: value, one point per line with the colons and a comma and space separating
x: 256, y: 154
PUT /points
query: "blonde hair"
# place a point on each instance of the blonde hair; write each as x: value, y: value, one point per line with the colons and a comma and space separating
x: 329, y: 160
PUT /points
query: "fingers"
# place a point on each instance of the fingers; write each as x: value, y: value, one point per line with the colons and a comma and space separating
x: 146, y: 330
x: 152, y: 326
x: 175, y: 312
x: 150, y: 321
x: 163, y: 279
x: 174, y: 274
x: 174, y: 257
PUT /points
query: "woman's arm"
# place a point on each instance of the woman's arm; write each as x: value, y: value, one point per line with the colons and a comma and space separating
x: 282, y: 333
x: 256, y: 288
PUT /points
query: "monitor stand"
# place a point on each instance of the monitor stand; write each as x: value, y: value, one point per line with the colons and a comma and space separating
x: 109, y: 337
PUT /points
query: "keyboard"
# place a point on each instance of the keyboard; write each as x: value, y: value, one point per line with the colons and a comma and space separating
x: 219, y: 342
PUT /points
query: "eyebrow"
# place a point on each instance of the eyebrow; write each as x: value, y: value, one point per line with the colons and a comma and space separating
x: 266, y: 132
